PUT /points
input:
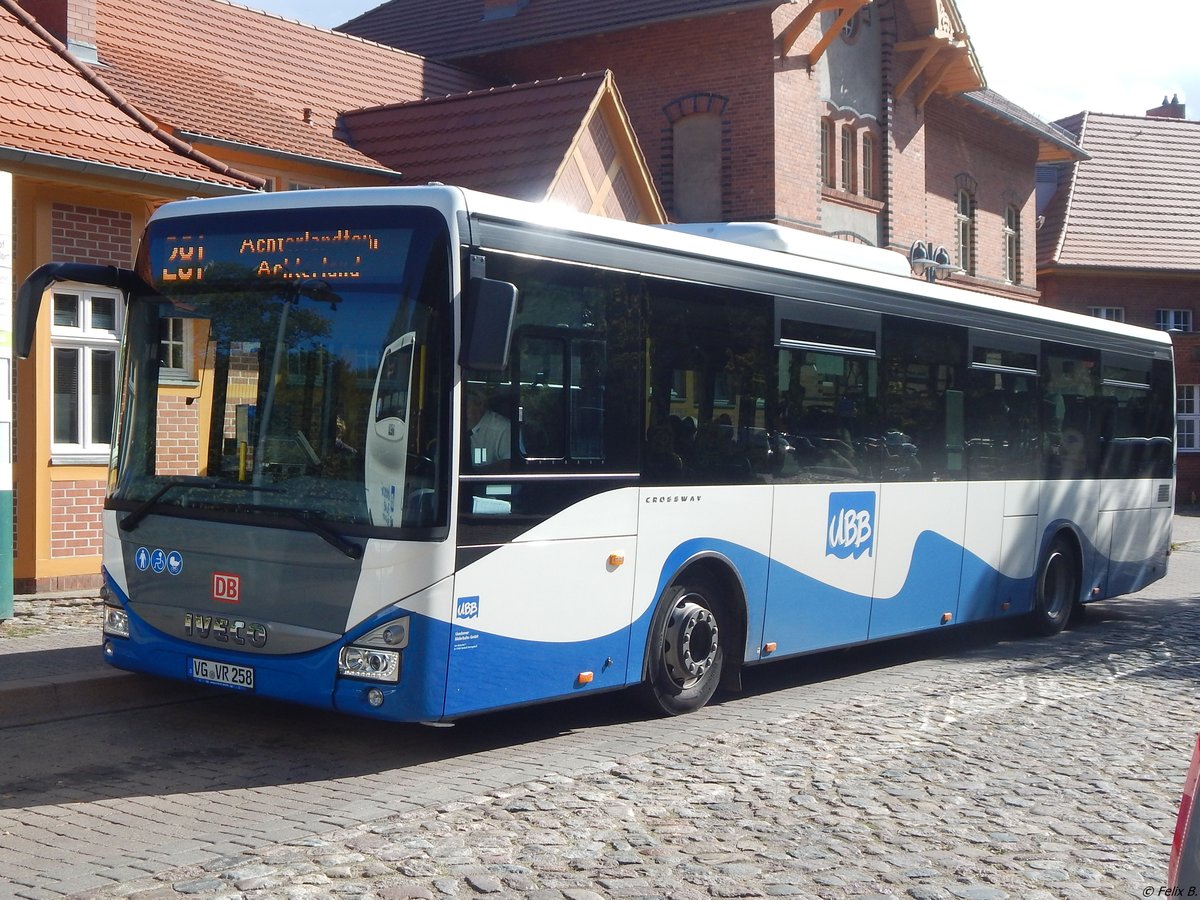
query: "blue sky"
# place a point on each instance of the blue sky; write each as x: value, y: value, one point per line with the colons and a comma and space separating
x: 1053, y: 57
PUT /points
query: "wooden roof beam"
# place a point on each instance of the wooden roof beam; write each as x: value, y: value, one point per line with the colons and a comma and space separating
x: 932, y: 40
x: 917, y: 68
x: 847, y: 13
x: 934, y: 78
x: 796, y: 27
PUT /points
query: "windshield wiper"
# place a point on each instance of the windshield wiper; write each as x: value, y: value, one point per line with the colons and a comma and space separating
x: 131, y: 521
x: 309, y: 521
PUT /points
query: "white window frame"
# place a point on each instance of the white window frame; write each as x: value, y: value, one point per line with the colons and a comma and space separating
x: 1108, y: 313
x: 848, y: 154
x: 964, y: 228
x: 869, y: 154
x: 178, y: 374
x: 828, y: 144
x: 1187, y: 417
x: 1012, y: 245
x: 1173, y: 319
x: 86, y: 339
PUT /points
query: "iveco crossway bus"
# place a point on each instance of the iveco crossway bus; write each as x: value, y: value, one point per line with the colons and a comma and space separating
x: 415, y: 453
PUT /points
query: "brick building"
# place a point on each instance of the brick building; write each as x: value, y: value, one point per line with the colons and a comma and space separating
x: 79, y: 173
x: 111, y: 107
x: 1121, y: 240
x: 866, y: 120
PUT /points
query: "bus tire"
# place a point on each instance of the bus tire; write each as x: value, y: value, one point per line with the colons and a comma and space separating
x: 685, y: 655
x: 1056, y: 589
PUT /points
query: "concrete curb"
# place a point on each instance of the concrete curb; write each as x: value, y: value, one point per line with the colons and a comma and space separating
x: 35, y: 701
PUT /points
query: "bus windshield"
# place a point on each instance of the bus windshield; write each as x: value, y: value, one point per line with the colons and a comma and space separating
x: 290, y: 362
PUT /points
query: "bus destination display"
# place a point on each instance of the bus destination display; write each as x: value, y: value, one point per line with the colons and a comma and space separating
x: 334, y: 256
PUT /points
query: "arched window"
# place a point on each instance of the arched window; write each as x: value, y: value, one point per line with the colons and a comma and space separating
x: 964, y: 222
x: 1012, y: 245
x: 697, y: 159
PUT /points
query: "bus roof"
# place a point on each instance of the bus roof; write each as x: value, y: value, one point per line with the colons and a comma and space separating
x: 866, y: 267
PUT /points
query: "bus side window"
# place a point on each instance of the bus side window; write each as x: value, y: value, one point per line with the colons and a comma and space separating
x: 574, y: 346
x: 924, y: 373
x: 710, y: 368
x: 821, y: 433
x: 542, y: 400
x: 1135, y: 439
x: 1072, y: 411
x: 1003, y: 441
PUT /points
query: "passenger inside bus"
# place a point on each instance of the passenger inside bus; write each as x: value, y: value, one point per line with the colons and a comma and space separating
x: 489, y: 432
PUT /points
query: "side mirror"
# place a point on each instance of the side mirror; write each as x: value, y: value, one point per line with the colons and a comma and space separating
x: 29, y: 295
x: 488, y: 310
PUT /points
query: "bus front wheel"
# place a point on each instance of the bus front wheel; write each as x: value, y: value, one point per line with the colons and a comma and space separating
x: 685, y: 653
x: 1056, y: 588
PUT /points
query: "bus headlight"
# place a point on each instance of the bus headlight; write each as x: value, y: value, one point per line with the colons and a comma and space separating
x: 392, y: 636
x: 116, y: 621
x: 369, y: 663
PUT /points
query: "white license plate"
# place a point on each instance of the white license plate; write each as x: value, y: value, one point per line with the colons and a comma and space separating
x: 226, y: 674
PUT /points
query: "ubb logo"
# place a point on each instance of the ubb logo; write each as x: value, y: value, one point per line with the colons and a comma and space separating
x: 851, y: 524
x: 467, y: 608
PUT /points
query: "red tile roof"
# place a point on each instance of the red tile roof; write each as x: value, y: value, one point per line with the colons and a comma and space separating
x: 1135, y: 204
x: 215, y: 69
x: 447, y: 29
x: 50, y: 105
x: 509, y: 140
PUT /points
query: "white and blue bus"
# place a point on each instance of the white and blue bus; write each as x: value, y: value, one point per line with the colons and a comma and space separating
x: 447, y: 452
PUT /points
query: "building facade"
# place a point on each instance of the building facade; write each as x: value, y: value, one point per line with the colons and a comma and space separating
x: 162, y: 119
x: 869, y: 121
x: 79, y: 176
x: 1121, y: 241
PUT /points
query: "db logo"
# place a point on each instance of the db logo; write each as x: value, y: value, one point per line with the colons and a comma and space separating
x: 227, y: 588
x: 851, y: 530
x: 467, y: 608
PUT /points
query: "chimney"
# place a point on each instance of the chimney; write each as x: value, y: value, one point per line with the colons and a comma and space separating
x: 1170, y: 109
x: 71, y: 21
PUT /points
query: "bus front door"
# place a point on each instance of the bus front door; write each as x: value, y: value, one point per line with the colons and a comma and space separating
x: 387, y: 435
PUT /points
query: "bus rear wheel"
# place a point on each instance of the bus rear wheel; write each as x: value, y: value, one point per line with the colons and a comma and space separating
x: 685, y: 654
x: 1056, y: 590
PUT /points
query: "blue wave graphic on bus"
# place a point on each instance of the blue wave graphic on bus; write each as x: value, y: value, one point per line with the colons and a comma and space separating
x: 812, y: 616
x: 851, y: 531
x: 799, y: 612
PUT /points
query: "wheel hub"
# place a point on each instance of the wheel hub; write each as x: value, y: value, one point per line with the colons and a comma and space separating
x: 691, y: 641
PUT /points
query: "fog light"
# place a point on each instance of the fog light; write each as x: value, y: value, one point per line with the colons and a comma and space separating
x: 369, y: 663
x: 375, y: 697
x: 116, y: 621
x: 108, y: 649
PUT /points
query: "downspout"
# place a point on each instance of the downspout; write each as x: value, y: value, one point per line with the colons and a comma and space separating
x: 125, y: 106
x: 888, y: 34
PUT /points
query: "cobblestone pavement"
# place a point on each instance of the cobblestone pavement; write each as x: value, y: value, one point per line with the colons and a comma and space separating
x: 1012, y: 768
x: 990, y: 784
x: 53, y: 615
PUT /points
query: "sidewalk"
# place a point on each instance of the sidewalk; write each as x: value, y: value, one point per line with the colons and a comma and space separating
x: 52, y: 666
